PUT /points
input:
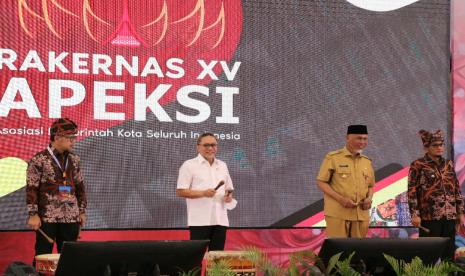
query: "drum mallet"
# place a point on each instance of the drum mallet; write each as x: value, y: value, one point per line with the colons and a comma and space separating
x: 50, y: 240
x: 424, y: 229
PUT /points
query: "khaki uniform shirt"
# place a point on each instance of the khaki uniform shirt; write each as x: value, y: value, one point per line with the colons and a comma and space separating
x: 350, y: 177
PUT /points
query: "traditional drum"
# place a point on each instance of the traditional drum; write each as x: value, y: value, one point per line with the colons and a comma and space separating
x: 235, y: 259
x: 47, y: 263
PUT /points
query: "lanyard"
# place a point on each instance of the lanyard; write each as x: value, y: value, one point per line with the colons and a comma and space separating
x: 63, y: 170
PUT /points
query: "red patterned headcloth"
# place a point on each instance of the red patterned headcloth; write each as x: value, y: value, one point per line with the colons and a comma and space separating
x: 63, y: 127
x: 429, y: 137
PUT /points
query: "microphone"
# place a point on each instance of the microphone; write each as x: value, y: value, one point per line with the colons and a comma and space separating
x: 219, y: 185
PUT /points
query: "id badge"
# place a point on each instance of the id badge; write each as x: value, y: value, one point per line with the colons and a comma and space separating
x: 64, y: 193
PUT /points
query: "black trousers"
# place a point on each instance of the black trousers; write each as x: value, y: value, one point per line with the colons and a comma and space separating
x: 441, y: 228
x: 215, y: 233
x: 60, y: 232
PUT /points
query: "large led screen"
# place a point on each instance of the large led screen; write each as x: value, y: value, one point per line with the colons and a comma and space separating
x: 277, y: 81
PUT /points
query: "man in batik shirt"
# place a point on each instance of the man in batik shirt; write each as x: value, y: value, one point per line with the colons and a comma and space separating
x: 435, y: 200
x: 56, y: 199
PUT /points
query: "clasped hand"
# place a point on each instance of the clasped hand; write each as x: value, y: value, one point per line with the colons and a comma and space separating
x: 365, y: 204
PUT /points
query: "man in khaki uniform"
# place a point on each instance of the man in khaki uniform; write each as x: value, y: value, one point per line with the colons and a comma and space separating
x: 347, y: 178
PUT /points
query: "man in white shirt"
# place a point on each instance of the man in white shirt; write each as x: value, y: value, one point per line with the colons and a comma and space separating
x: 205, y: 183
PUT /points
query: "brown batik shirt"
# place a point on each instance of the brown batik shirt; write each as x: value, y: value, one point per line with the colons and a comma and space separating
x: 433, y: 190
x: 44, y: 177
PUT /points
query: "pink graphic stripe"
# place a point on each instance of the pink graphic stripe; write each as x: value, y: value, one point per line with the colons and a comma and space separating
x: 378, y: 187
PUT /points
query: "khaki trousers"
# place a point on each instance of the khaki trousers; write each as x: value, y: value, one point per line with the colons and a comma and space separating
x: 340, y: 228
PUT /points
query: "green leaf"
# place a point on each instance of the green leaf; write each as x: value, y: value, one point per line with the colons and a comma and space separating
x: 192, y: 272
x: 344, y: 268
x: 300, y: 263
x: 417, y: 268
x: 397, y: 265
x: 221, y: 267
x: 332, y: 262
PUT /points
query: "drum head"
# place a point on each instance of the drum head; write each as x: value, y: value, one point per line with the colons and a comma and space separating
x: 48, y: 257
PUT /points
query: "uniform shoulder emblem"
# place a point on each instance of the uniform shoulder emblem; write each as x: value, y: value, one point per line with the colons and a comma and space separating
x: 366, y: 157
x: 331, y: 153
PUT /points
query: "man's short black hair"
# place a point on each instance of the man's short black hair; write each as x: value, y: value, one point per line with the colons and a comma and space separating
x: 205, y: 135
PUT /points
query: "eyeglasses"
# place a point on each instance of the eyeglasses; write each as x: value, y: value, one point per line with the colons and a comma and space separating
x: 71, y: 138
x: 209, y: 145
x: 438, y: 145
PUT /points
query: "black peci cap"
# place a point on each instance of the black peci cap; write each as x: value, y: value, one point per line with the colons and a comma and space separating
x: 357, y: 129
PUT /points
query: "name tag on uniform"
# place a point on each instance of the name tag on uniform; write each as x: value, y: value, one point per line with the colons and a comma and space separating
x: 64, y: 193
x: 343, y: 170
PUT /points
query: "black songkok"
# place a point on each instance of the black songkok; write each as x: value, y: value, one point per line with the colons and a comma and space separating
x: 357, y: 129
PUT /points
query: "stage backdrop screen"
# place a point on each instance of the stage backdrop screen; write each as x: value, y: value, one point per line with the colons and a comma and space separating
x: 277, y: 81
